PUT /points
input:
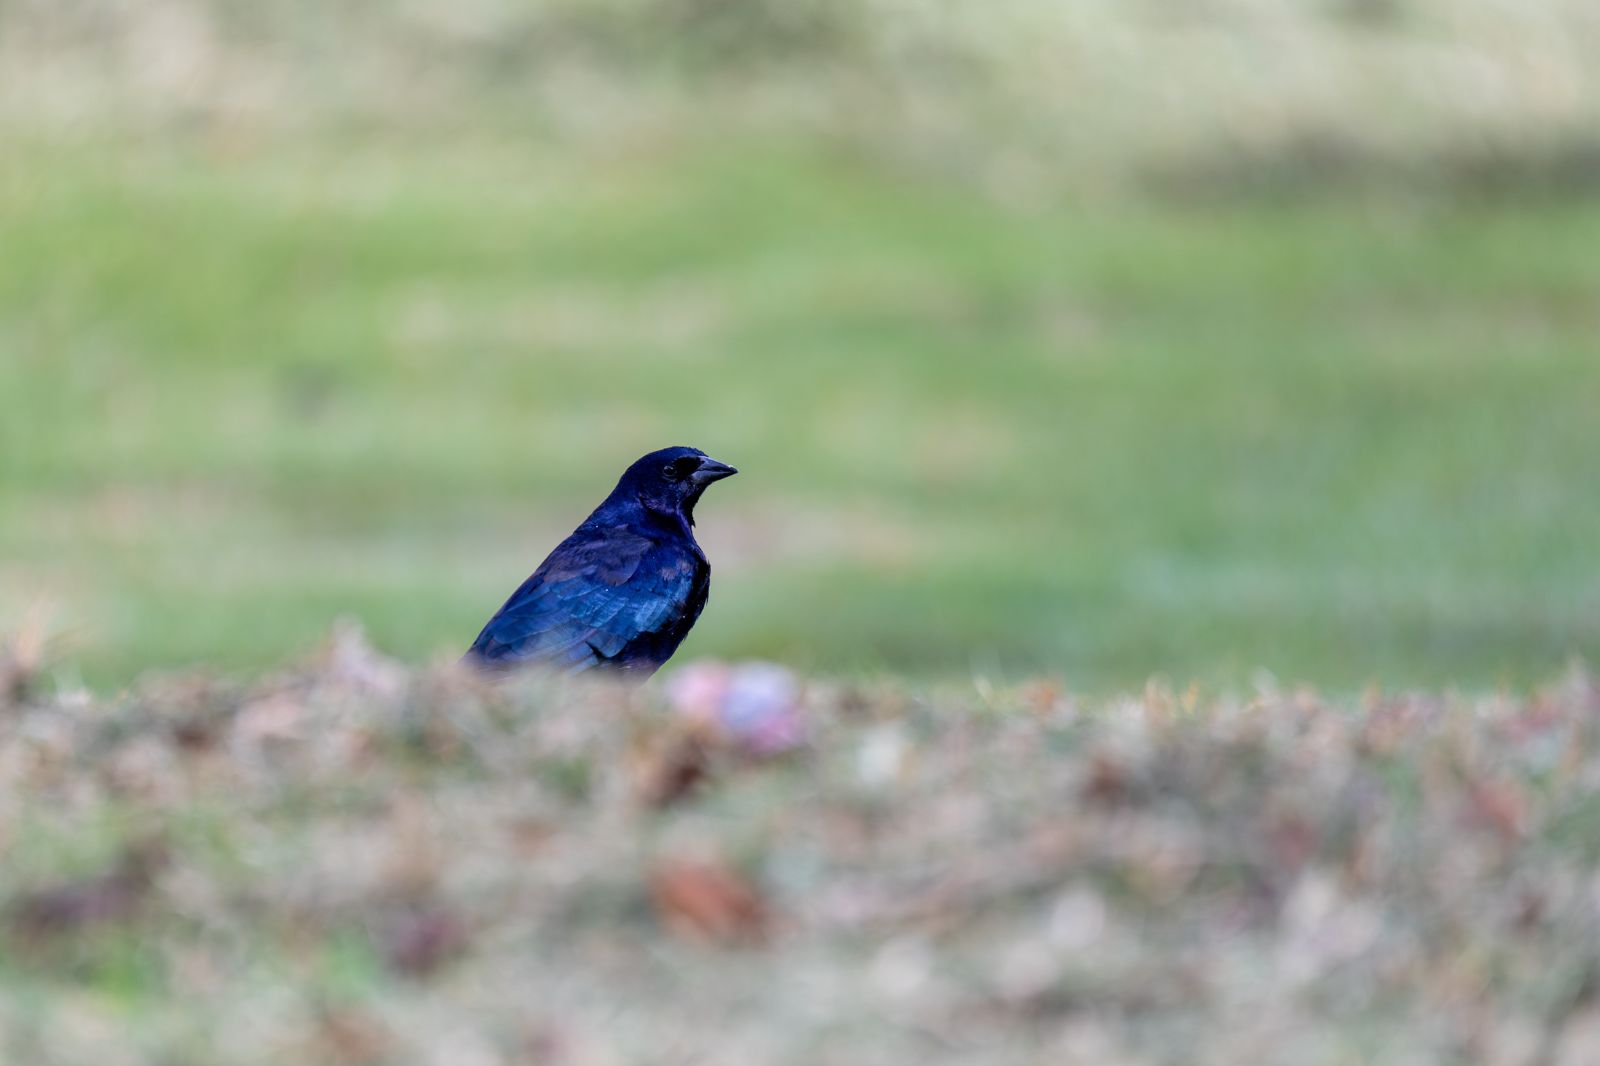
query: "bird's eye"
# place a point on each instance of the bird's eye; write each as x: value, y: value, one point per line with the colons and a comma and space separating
x: 679, y: 469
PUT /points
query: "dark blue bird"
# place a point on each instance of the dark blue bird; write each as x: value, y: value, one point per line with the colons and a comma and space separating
x: 622, y: 591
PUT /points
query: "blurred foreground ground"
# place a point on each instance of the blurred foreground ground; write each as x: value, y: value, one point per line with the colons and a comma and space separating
x: 352, y: 863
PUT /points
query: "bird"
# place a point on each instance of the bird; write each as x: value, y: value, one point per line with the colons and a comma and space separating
x: 621, y: 593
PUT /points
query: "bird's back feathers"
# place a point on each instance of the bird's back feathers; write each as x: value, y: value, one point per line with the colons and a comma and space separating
x: 608, y: 595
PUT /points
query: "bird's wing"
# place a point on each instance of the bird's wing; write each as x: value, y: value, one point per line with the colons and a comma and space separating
x: 596, y: 593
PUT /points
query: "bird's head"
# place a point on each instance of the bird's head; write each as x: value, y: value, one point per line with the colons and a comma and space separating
x: 671, y: 480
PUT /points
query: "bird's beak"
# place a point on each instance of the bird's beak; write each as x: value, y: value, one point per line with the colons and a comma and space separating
x: 711, y: 470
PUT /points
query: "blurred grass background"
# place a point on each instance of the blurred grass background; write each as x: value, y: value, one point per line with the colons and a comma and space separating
x: 1100, y: 339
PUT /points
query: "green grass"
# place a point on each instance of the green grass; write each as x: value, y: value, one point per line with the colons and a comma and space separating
x: 248, y: 388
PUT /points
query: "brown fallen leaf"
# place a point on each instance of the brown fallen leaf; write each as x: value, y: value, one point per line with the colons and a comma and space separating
x: 1292, y: 841
x: 1041, y: 696
x: 110, y: 898
x: 671, y: 770
x: 196, y: 733
x: 419, y: 940
x: 349, y: 1036
x: 23, y: 655
x: 1108, y: 781
x: 708, y: 901
x: 1501, y: 805
x: 414, y: 862
x: 530, y: 835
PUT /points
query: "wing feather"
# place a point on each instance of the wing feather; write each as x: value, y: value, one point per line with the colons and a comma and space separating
x: 599, y: 592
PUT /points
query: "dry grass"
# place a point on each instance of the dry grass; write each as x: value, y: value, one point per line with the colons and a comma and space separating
x: 1023, y: 94
x: 355, y: 862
